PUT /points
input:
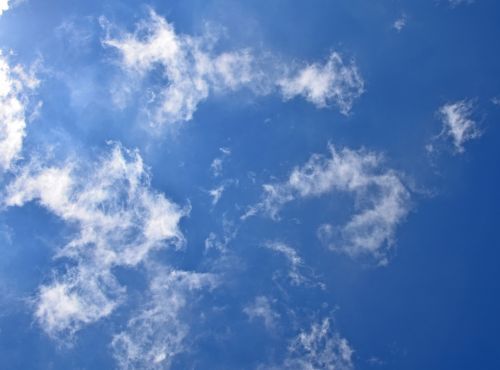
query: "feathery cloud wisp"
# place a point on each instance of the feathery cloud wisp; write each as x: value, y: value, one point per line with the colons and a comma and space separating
x: 15, y: 84
x: 119, y: 220
x: 321, y: 347
x: 335, y: 82
x: 261, y: 309
x: 156, y: 333
x: 191, y: 70
x: 383, y: 199
x: 458, y: 124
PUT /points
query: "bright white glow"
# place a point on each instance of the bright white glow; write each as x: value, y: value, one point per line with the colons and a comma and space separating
x: 4, y: 5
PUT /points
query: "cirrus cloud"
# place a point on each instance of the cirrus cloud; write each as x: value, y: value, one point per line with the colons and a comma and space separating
x: 191, y: 70
x: 383, y: 201
x: 118, y: 220
x: 15, y: 86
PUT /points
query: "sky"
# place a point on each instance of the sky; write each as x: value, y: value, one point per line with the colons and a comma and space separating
x: 249, y: 185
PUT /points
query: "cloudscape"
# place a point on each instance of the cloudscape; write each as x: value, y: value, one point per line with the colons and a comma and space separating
x: 228, y: 184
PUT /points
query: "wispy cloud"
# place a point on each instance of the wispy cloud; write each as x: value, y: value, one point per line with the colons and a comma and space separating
x: 118, y: 219
x: 219, y: 243
x: 191, y: 70
x: 320, y: 347
x: 156, y: 333
x: 381, y: 198
x: 217, y: 164
x: 334, y: 82
x: 458, y: 123
x: 15, y: 87
x: 400, y: 23
x: 216, y: 194
x: 294, y: 260
x: 262, y: 309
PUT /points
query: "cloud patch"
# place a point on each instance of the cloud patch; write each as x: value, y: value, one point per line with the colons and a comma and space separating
x: 15, y: 87
x: 400, y: 23
x: 381, y: 199
x: 118, y: 220
x: 458, y: 124
x: 334, y: 82
x: 217, y: 164
x: 293, y: 259
x: 156, y: 333
x: 262, y: 309
x: 4, y: 6
x: 320, y: 347
x: 191, y: 70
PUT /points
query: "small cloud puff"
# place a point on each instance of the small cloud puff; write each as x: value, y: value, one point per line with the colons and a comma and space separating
x: 217, y: 164
x: 400, y: 23
x: 334, y: 82
x: 261, y: 309
x: 458, y: 124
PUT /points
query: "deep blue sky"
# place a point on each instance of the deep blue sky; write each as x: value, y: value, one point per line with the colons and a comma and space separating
x: 434, y: 305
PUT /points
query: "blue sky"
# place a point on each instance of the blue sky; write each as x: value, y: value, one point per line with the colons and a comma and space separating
x: 249, y: 185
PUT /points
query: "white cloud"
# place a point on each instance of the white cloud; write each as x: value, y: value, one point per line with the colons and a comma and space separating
x: 290, y: 253
x: 188, y: 63
x: 381, y: 199
x: 458, y: 124
x: 80, y: 297
x: 293, y: 259
x: 335, y: 82
x: 319, y: 348
x: 216, y: 194
x: 118, y: 220
x: 220, y: 242
x: 191, y: 70
x: 261, y: 309
x: 400, y: 23
x: 15, y: 84
x: 217, y: 164
x: 156, y: 333
x: 4, y: 5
